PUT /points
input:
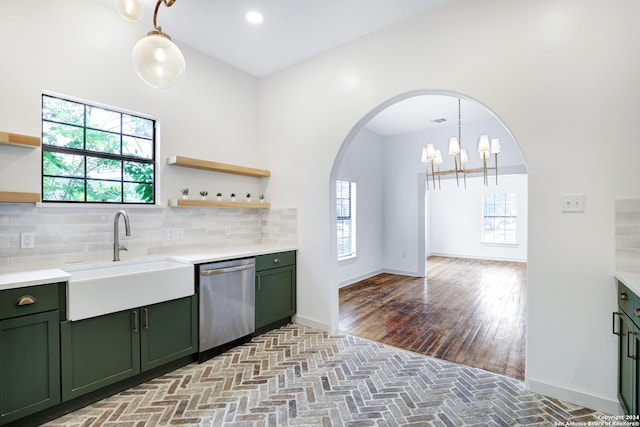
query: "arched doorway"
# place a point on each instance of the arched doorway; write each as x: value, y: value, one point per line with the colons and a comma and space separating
x: 401, y: 219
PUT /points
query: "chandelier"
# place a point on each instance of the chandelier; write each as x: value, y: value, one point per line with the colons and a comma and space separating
x: 156, y: 59
x: 432, y: 158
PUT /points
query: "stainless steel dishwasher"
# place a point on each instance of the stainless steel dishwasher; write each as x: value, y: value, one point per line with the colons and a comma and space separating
x: 226, y: 292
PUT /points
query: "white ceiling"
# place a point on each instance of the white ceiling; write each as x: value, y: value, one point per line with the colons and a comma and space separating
x: 418, y: 113
x: 295, y: 30
x: 292, y: 30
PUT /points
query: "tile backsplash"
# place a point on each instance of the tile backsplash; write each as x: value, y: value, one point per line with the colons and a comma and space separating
x: 69, y: 234
x: 628, y: 235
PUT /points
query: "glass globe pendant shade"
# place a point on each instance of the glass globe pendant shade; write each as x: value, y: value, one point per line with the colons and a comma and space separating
x: 158, y: 61
x: 130, y: 10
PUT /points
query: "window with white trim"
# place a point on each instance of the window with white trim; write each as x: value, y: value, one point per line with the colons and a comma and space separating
x: 499, y: 223
x: 96, y: 154
x: 346, y: 218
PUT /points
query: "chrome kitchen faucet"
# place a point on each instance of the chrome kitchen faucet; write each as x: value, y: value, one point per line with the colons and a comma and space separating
x: 116, y: 241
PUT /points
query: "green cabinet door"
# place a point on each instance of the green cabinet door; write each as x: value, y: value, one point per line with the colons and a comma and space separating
x: 275, y: 294
x: 99, y: 351
x: 29, y: 364
x: 168, y: 331
x: 626, y: 365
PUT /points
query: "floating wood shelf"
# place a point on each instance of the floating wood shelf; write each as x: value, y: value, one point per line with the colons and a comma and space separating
x: 15, y: 197
x: 19, y: 140
x: 217, y: 167
x: 217, y: 204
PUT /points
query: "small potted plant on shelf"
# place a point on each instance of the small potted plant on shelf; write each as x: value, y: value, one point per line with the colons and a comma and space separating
x: 185, y: 193
x: 262, y: 198
x: 219, y: 196
x: 204, y: 194
x: 248, y: 197
x: 233, y: 197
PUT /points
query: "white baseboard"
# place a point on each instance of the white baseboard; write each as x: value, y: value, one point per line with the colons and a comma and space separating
x: 587, y: 400
x: 507, y: 259
x: 359, y: 278
x: 305, y: 321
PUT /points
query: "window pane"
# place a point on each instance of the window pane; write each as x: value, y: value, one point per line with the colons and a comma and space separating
x: 63, y: 189
x: 500, y: 221
x: 103, y: 191
x: 63, y: 111
x: 137, y: 126
x: 137, y: 147
x: 99, y: 118
x: 62, y: 164
x: 139, y: 172
x: 104, y: 168
x: 138, y: 193
x: 62, y: 135
x: 103, y: 142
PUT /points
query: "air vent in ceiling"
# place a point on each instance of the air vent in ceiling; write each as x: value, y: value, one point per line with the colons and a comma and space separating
x: 442, y: 120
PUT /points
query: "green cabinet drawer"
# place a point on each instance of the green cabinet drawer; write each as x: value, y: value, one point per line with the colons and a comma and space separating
x: 32, y: 299
x: 280, y: 259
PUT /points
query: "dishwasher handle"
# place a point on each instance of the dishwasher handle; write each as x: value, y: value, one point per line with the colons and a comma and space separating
x: 227, y: 270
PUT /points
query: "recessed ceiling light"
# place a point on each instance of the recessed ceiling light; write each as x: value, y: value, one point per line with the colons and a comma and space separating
x: 254, y: 17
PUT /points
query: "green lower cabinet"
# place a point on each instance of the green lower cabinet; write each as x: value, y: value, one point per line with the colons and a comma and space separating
x: 29, y: 365
x: 99, y: 351
x: 104, y: 350
x: 275, y: 294
x: 169, y: 332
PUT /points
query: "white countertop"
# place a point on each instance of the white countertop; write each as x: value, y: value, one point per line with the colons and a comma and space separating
x: 32, y: 278
x: 53, y: 275
x: 630, y: 280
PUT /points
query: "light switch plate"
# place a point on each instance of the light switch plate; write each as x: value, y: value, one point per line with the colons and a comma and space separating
x: 573, y: 202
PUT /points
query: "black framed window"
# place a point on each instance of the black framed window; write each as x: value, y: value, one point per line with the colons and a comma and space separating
x: 96, y: 154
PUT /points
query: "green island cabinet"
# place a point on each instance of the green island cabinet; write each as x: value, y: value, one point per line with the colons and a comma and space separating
x: 275, y: 289
x: 30, y: 349
x: 104, y: 350
x: 628, y: 329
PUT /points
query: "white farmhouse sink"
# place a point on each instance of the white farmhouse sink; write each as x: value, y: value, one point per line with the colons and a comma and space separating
x: 98, y: 289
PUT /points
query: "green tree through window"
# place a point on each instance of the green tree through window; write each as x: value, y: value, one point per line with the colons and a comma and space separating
x: 94, y: 154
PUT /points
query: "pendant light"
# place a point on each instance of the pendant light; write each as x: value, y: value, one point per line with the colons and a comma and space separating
x: 156, y: 59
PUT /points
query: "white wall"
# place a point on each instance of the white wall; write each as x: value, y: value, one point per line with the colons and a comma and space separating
x: 548, y: 71
x: 455, y: 219
x: 363, y: 164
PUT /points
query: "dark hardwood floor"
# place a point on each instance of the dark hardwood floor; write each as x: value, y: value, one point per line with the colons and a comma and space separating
x: 470, y: 312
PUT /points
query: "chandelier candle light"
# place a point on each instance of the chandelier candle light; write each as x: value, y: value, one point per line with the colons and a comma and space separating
x: 432, y: 156
x: 156, y: 59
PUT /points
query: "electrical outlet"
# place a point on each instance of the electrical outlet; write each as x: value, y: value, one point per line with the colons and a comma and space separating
x: 175, y: 233
x: 27, y: 241
x: 227, y: 230
x: 573, y: 202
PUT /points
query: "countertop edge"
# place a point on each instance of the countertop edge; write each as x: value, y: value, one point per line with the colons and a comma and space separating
x: 24, y: 279
x: 630, y: 280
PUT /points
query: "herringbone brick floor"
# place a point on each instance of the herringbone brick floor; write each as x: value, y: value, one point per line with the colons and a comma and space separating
x: 297, y: 376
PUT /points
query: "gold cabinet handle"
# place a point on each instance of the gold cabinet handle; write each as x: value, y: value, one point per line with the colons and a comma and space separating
x: 26, y: 300
x: 259, y: 281
x: 623, y: 296
x: 276, y: 260
x: 615, y: 313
